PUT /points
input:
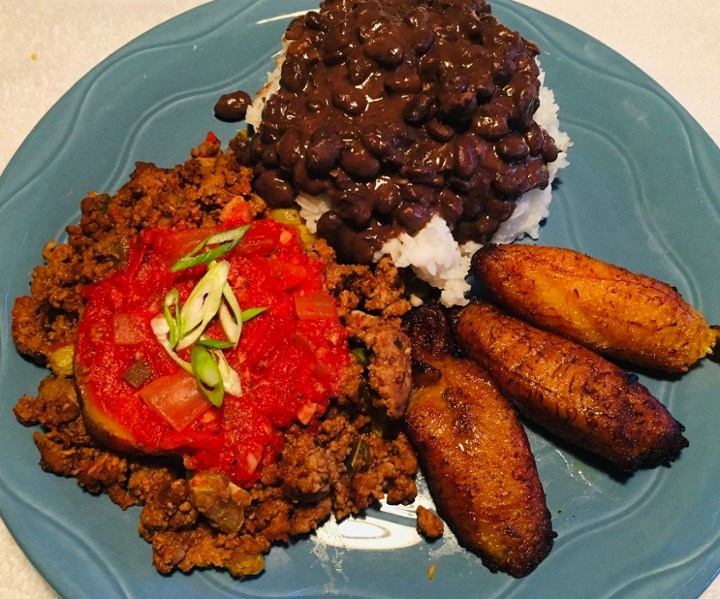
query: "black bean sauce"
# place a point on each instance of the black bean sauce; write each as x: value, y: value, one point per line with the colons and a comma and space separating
x: 399, y: 110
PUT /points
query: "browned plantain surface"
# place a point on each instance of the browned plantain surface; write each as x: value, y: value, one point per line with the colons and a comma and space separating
x: 628, y: 316
x: 480, y: 469
x: 571, y: 391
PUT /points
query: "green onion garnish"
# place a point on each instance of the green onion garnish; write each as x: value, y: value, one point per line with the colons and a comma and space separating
x: 251, y: 313
x: 172, y: 301
x: 182, y: 326
x: 207, y: 374
x: 214, y: 343
x: 202, y: 304
x: 230, y: 315
x: 227, y: 240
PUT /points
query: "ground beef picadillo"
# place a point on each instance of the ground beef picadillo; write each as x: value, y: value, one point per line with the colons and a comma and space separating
x: 354, y: 457
x: 396, y: 111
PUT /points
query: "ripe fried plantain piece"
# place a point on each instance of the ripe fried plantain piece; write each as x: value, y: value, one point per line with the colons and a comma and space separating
x: 617, y: 313
x: 475, y: 452
x: 570, y: 390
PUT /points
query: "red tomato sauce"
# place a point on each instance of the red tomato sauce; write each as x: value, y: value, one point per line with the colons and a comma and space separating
x: 290, y: 358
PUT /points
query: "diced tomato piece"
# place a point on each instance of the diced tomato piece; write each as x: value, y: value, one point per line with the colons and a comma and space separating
x: 314, y: 305
x: 126, y: 329
x: 257, y: 243
x: 176, y: 398
x: 290, y: 275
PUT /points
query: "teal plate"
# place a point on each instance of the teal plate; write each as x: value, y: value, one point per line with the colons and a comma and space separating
x: 641, y: 190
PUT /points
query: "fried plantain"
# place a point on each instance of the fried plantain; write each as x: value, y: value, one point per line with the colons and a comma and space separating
x: 570, y: 390
x: 476, y: 454
x: 631, y: 317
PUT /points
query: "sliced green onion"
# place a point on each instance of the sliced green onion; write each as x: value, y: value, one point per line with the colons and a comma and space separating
x: 227, y: 240
x: 214, y: 343
x: 251, y: 313
x: 161, y: 329
x: 207, y: 374
x: 181, y: 327
x: 172, y: 300
x: 231, y: 379
x: 230, y: 315
x: 202, y: 304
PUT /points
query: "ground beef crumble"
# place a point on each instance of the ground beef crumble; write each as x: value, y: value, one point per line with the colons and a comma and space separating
x: 355, y: 456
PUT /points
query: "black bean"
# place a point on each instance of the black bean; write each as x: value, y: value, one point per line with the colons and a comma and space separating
x: 511, y: 183
x: 336, y: 44
x: 323, y: 152
x: 309, y: 183
x: 329, y: 225
x: 314, y: 20
x: 481, y: 81
x: 485, y: 227
x: 458, y: 107
x: 294, y: 73
x: 429, y: 68
x: 491, y: 126
x: 387, y: 199
x: 439, y: 131
x: 358, y: 162
x: 356, y: 247
x: 535, y: 139
x: 451, y: 206
x: 473, y: 206
x: 255, y: 148
x: 290, y: 147
x: 386, y: 50
x: 379, y: 140
x: 421, y: 40
x: 419, y: 109
x: 454, y: 82
x: 404, y: 136
x: 270, y: 157
x: 418, y: 194
x: 465, y: 158
x: 549, y: 149
x: 240, y: 146
x: 403, y: 81
x: 419, y: 173
x: 275, y: 191
x: 417, y: 17
x: 526, y: 101
x: 355, y: 205
x: 512, y: 148
x: 359, y: 69
x: 498, y: 208
x: 412, y: 216
x: 233, y: 106
x: 350, y: 100
x: 503, y: 71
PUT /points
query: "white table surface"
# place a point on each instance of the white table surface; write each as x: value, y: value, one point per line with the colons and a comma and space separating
x: 46, y: 46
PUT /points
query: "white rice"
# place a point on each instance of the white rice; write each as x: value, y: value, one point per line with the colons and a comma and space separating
x: 432, y: 253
